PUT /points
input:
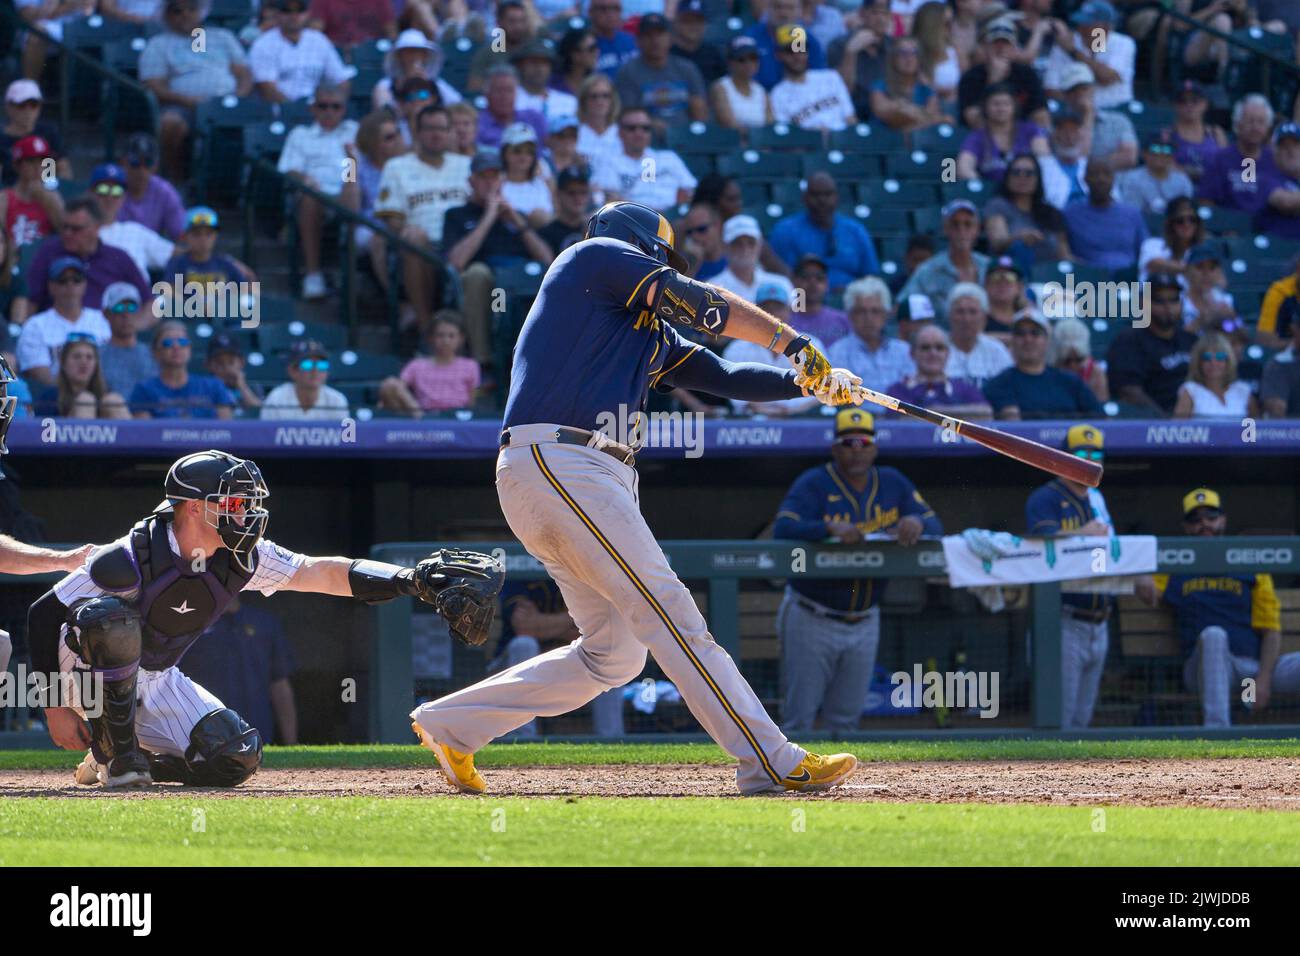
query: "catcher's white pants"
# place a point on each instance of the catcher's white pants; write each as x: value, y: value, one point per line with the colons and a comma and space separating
x: 168, y: 705
x: 1083, y: 658
x: 576, y: 510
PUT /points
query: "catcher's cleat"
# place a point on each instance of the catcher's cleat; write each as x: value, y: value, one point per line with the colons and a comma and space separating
x: 87, y: 772
x: 457, y: 767
x: 130, y: 769
x: 816, y: 772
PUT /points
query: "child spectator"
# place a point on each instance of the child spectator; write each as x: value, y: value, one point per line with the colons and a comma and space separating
x: 226, y: 364
x: 306, y: 397
x: 79, y: 391
x: 30, y: 209
x: 445, y: 380
x: 199, y: 261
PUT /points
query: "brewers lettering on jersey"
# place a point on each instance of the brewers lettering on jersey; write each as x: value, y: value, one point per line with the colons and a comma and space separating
x: 598, y: 336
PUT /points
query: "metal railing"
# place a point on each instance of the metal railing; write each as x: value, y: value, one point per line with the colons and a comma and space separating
x: 260, y: 166
x: 114, y: 83
x: 725, y: 563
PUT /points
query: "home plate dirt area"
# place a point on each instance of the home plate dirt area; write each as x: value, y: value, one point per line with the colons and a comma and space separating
x: 1272, y: 784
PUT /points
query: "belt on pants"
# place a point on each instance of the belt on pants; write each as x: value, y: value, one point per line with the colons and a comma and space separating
x: 1084, y: 614
x: 566, y: 435
x: 832, y: 615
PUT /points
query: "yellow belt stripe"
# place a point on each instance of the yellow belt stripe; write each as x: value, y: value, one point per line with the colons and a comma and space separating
x: 658, y: 609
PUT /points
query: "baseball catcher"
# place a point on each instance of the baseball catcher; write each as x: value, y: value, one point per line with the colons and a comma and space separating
x: 601, y: 333
x: 130, y: 613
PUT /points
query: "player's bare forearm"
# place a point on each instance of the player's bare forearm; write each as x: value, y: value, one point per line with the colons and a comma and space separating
x: 748, y: 322
x: 18, y: 557
x: 323, y: 576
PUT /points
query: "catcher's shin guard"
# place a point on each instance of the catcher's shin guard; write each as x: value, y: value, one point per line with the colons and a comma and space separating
x: 105, y: 633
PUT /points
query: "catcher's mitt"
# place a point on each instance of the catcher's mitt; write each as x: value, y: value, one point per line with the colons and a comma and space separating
x: 462, y: 586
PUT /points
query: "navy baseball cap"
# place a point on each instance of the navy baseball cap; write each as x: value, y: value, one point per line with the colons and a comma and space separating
x: 485, y: 159
x: 63, y: 264
x: 1164, y: 280
x: 573, y: 174
x: 742, y: 46
x: 693, y: 7
x: 108, y: 173
x: 1159, y: 142
x: 960, y: 205
x: 223, y: 342
x: 306, y: 348
x: 1006, y: 264
x: 651, y: 21
x: 1190, y: 88
x: 1288, y: 130
x: 1205, y: 252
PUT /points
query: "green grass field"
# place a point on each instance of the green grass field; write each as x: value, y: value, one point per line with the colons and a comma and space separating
x: 191, y: 830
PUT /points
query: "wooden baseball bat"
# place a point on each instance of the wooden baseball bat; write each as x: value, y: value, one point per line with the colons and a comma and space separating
x: 1053, y: 460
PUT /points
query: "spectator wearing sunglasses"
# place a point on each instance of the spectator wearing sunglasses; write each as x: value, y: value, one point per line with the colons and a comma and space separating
x: 414, y: 55
x: 124, y: 360
x: 1167, y: 253
x: 306, y: 397
x: 738, y: 100
x: 79, y: 390
x: 148, y: 250
x: 534, y: 61
x: 621, y: 173
x: 78, y: 238
x: 45, y: 333
x: 317, y: 155
x: 1212, y: 389
x: 1229, y: 625
x: 830, y: 628
x: 226, y: 363
x: 290, y: 60
x: 182, y: 76
x: 1064, y: 508
x: 29, y: 209
x: 930, y: 387
x: 150, y: 200
x: 23, y: 103
x: 1031, y: 388
x: 1152, y: 186
x: 174, y: 392
x: 413, y: 95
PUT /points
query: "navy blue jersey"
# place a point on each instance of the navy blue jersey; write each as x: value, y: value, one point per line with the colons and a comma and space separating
x: 586, y: 348
x: 544, y: 594
x: 820, y: 496
x: 1053, y: 509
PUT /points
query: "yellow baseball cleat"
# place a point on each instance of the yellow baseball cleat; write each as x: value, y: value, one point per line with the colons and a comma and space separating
x: 457, y: 767
x: 816, y: 772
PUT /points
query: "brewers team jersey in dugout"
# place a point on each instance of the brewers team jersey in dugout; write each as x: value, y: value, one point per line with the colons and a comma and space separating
x: 585, y: 349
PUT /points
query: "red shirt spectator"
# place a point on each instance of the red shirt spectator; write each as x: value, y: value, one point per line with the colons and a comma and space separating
x: 349, y: 22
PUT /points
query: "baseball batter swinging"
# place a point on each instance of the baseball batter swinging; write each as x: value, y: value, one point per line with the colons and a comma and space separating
x: 599, y: 335
x: 128, y: 616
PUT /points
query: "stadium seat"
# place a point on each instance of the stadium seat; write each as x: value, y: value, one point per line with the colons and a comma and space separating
x: 124, y: 56
x: 522, y: 280
x: 455, y: 63
x: 89, y: 35
x: 927, y: 219
x: 871, y: 138
x: 845, y: 167
x: 219, y: 144
x: 360, y: 89
x: 275, y: 309
x: 700, y: 164
x: 371, y: 55
x: 233, y: 15
x: 783, y: 136
x: 883, y: 222
x: 889, y: 193
x: 944, y: 138
x: 296, y: 113
x: 1264, y: 246
x: 767, y: 167
x: 759, y: 194
x: 361, y: 366
x: 978, y: 191
x: 916, y: 164
x: 125, y: 109
x: 276, y: 337
x: 1220, y: 221
x: 700, y: 137
x: 264, y: 140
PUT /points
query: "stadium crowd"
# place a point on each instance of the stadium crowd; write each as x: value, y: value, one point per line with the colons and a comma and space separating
x: 911, y: 183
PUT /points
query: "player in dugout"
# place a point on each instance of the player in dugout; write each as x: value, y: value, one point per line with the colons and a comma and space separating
x: 1229, y: 625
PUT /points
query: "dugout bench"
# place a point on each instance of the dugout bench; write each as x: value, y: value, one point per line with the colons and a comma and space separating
x: 723, y: 564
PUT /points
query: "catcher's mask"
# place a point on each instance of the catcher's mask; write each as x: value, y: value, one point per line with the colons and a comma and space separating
x: 642, y: 227
x: 8, y: 403
x: 233, y: 492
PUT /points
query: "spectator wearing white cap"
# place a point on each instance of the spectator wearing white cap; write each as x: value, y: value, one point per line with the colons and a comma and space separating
x: 290, y: 60
x: 743, y: 240
x: 349, y: 22
x: 773, y: 296
x: 317, y: 155
x: 23, y: 103
x: 125, y: 360
x: 653, y: 177
x: 1110, y: 134
x: 413, y: 55
x: 869, y: 352
x: 45, y: 333
x: 524, y: 184
x: 1110, y: 55
x: 958, y: 263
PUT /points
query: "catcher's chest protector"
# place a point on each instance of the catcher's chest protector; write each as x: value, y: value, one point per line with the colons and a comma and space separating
x: 177, y: 604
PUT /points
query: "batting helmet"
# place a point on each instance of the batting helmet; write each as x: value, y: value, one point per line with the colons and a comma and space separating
x: 233, y: 490
x: 642, y: 227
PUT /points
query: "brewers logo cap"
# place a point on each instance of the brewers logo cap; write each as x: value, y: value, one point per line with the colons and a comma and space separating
x: 854, y: 421
x: 1084, y: 436
x: 1201, y: 498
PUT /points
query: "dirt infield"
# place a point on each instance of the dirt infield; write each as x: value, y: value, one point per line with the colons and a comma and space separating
x: 1272, y: 784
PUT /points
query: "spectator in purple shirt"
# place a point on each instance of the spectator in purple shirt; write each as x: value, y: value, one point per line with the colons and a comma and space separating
x: 1195, y: 141
x: 500, y: 87
x: 1224, y: 182
x: 930, y: 385
x: 150, y: 200
x: 810, y: 313
x: 1281, y: 213
x: 1101, y: 231
x: 986, y: 152
x: 79, y: 237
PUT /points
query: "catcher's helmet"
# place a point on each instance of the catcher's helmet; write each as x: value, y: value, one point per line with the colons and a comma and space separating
x: 233, y: 491
x: 8, y: 403
x: 642, y: 227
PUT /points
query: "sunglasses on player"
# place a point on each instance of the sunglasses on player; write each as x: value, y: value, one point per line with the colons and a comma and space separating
x: 853, y: 441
